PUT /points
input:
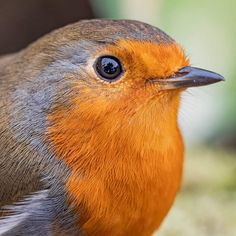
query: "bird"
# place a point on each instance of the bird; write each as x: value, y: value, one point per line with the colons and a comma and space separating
x: 89, y: 135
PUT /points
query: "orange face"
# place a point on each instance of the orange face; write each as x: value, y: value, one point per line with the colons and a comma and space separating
x: 104, y: 106
x: 132, y: 90
x: 140, y: 62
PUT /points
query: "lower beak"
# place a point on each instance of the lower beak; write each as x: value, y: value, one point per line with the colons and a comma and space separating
x: 189, y: 77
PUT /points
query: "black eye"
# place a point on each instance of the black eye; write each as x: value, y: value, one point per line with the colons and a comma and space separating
x: 109, y: 68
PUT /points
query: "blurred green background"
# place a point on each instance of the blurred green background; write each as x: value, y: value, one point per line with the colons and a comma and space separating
x: 206, y: 205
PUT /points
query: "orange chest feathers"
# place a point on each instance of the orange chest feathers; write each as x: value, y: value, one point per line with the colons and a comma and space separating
x: 125, y: 200
x: 121, y: 184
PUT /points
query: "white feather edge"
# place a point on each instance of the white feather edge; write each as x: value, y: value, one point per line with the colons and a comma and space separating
x: 20, y: 211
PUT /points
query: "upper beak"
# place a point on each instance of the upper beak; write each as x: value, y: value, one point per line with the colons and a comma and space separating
x: 189, y: 77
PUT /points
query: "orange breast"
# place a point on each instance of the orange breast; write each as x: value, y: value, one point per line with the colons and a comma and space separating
x: 130, y: 201
x: 123, y: 180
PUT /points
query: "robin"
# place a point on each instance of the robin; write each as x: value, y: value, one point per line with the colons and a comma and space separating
x: 89, y: 138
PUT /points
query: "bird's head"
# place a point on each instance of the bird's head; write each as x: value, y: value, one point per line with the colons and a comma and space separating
x: 111, y: 78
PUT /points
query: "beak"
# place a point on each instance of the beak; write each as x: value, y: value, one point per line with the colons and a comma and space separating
x: 189, y: 77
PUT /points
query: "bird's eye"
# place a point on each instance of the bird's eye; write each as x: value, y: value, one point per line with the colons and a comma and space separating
x: 108, y: 68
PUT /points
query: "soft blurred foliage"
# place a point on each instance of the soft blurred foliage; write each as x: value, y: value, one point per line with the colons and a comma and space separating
x: 206, y: 205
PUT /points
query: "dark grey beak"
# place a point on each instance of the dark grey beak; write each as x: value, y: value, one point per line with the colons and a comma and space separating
x: 189, y: 77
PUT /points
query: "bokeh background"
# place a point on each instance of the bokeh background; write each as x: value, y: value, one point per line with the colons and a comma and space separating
x: 206, y: 205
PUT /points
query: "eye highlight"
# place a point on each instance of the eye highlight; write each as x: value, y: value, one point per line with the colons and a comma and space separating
x: 108, y: 68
